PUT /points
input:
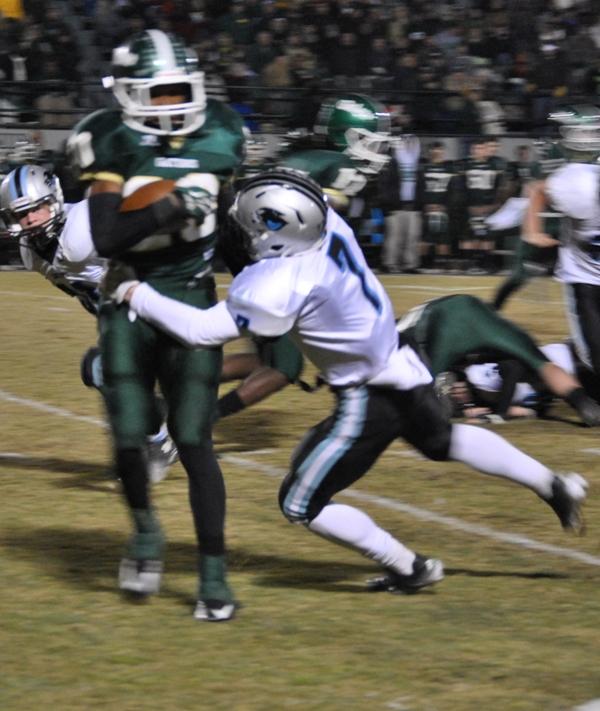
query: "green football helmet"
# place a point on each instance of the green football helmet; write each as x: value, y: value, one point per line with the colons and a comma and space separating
x: 152, y: 64
x: 579, y: 128
x: 358, y: 126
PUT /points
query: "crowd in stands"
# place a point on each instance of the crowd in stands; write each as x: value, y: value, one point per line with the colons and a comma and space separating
x: 446, y: 66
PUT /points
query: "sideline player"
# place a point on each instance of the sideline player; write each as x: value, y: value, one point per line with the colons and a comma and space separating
x: 310, y: 279
x: 574, y: 191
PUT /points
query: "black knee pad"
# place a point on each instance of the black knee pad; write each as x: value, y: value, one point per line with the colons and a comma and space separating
x: 91, y: 368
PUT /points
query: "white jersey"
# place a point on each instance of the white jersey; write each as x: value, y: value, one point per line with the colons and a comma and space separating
x: 486, y: 376
x: 574, y: 191
x: 76, y: 267
x: 328, y: 300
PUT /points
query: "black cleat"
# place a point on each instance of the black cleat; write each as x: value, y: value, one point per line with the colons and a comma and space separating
x: 426, y: 571
x: 568, y: 494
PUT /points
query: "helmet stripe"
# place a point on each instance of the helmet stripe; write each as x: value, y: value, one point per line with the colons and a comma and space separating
x: 16, y: 190
x: 164, y: 48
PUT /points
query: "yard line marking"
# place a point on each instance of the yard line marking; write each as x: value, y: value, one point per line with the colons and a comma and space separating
x: 30, y: 294
x: 50, y: 409
x: 432, y: 517
x: 383, y: 501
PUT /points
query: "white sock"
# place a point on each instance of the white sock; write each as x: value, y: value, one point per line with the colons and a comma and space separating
x: 352, y: 528
x: 491, y: 454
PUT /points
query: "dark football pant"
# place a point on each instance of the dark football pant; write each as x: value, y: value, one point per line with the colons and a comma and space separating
x: 583, y: 303
x: 343, y: 447
x: 135, y: 356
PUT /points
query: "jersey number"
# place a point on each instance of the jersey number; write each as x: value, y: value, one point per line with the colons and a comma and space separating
x: 342, y: 256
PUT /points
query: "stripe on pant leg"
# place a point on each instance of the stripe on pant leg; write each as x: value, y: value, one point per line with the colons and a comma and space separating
x: 317, y: 465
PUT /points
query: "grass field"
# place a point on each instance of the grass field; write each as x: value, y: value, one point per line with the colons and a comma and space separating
x: 514, y: 626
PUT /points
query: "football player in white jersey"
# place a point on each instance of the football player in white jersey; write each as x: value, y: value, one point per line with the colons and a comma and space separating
x: 574, y: 191
x: 55, y: 240
x: 310, y: 279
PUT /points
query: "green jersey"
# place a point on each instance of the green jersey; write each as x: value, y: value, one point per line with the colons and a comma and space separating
x: 103, y: 147
x: 336, y: 172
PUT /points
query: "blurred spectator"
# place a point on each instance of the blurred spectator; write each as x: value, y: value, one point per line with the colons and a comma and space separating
x: 398, y: 199
x: 262, y: 52
x: 490, y: 113
x: 345, y: 57
x: 238, y: 23
x: 379, y: 58
x: 55, y: 99
x: 277, y: 75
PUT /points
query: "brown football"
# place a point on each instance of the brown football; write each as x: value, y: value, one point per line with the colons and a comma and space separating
x: 147, y: 194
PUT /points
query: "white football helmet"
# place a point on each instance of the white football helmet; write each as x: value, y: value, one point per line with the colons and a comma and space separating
x: 282, y: 212
x: 579, y: 128
x: 151, y: 64
x: 27, y: 188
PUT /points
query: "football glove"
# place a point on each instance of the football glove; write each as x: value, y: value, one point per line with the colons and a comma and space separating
x: 197, y: 202
x: 119, y: 278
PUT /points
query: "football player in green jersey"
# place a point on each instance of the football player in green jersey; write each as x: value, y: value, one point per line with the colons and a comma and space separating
x: 166, y: 128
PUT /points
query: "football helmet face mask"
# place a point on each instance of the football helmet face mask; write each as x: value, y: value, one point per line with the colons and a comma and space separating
x: 358, y: 126
x: 28, y: 188
x: 153, y: 64
x: 282, y: 213
x: 579, y: 128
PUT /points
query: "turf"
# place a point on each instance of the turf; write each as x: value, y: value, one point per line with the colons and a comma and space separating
x: 514, y: 626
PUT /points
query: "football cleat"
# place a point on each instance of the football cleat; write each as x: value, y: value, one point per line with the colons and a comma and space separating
x: 568, y: 494
x: 161, y: 455
x: 426, y: 571
x: 589, y: 411
x: 140, y: 577
x: 214, y: 610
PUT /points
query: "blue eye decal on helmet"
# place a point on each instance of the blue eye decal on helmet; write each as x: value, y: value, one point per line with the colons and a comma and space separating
x: 273, y: 220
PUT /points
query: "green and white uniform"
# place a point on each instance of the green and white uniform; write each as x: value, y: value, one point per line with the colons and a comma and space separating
x: 452, y: 327
x: 176, y: 262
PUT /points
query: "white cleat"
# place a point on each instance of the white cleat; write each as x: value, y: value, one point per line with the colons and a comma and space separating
x: 140, y: 577
x: 214, y: 611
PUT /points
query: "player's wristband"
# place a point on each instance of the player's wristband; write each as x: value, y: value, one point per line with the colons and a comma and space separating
x: 229, y: 404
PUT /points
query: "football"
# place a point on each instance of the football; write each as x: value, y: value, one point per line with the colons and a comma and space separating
x: 147, y: 194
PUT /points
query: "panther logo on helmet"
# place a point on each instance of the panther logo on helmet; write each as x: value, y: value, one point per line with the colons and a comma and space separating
x: 152, y: 64
x: 282, y: 213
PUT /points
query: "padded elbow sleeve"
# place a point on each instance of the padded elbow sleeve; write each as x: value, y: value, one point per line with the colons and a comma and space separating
x: 114, y: 232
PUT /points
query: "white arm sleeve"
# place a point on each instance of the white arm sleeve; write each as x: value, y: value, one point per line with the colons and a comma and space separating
x: 192, y: 326
x: 573, y: 189
x: 76, y: 237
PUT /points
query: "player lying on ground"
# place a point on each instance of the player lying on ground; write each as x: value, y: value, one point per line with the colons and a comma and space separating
x: 496, y: 391
x: 458, y: 330
x: 310, y: 279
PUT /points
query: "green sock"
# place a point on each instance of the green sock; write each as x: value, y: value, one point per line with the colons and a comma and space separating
x: 148, y: 541
x: 213, y: 584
